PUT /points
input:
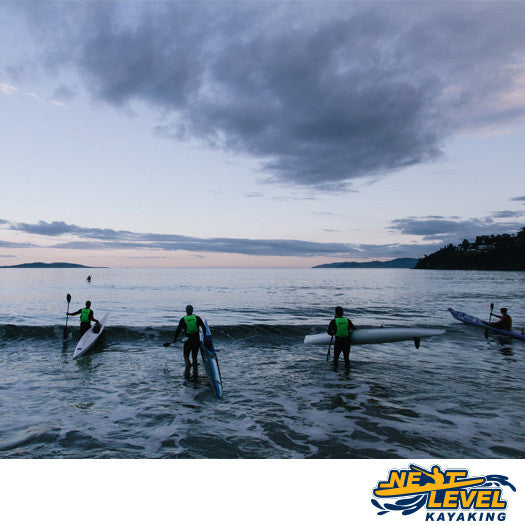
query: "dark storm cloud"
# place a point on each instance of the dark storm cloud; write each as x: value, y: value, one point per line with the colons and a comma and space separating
x: 453, y: 229
x: 321, y: 93
x: 108, y: 239
x: 522, y: 198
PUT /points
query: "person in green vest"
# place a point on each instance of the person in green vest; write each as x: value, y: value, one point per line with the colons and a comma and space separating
x: 340, y: 327
x: 86, y: 316
x: 189, y: 324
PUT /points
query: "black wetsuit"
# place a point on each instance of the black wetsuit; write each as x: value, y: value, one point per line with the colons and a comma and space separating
x: 505, y: 322
x: 192, y: 345
x: 84, y: 327
x: 341, y: 344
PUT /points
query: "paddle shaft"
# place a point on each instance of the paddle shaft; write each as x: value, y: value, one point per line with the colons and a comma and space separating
x: 68, y: 298
x: 490, y: 317
x: 328, y: 353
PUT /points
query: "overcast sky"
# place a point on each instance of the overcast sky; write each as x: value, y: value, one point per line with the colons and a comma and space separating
x: 257, y: 133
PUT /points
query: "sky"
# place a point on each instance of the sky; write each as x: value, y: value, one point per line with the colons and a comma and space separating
x: 255, y: 134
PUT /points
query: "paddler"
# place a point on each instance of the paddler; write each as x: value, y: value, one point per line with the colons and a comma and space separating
x: 505, y: 320
x: 86, y: 316
x: 189, y: 324
x: 340, y: 327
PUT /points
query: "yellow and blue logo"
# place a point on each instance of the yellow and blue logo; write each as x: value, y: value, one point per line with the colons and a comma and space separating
x: 449, y: 495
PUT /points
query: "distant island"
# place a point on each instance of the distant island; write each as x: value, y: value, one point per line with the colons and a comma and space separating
x: 50, y: 265
x: 402, y: 262
x: 488, y: 252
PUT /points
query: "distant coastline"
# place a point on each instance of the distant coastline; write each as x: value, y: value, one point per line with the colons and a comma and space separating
x: 50, y: 265
x: 402, y: 262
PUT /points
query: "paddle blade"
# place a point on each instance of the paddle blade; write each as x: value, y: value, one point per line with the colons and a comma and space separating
x: 68, y: 298
x: 166, y: 344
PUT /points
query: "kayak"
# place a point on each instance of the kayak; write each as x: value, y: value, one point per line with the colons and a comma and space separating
x: 369, y: 336
x: 474, y: 321
x: 90, y: 338
x: 211, y: 362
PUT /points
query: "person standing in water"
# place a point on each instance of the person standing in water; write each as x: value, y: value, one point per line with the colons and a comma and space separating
x: 86, y: 316
x: 340, y: 327
x: 189, y: 324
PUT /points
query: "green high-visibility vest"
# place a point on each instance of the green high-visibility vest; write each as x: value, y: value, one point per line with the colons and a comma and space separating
x: 84, y: 315
x: 191, y: 324
x: 342, y: 324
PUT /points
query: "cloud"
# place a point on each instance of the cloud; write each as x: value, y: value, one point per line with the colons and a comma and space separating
x: 63, y: 94
x: 321, y: 93
x: 36, y: 97
x: 454, y: 229
x: 507, y: 214
x: 6, y: 89
x: 522, y: 198
x: 10, y: 244
x: 109, y: 239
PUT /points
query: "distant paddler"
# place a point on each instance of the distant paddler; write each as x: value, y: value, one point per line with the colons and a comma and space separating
x: 340, y: 328
x: 86, y: 317
x: 88, y: 278
x: 505, y: 320
x: 190, y: 324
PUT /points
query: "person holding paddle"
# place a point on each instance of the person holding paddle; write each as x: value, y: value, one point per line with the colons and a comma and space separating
x: 505, y: 320
x: 340, y: 327
x: 189, y: 324
x: 86, y: 316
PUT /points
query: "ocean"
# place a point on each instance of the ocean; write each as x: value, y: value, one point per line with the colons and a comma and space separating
x: 458, y: 396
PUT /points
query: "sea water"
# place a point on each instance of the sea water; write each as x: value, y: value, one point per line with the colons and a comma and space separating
x: 458, y: 395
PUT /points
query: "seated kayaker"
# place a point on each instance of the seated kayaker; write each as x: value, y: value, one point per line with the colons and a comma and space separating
x: 340, y: 327
x: 86, y: 316
x: 505, y: 320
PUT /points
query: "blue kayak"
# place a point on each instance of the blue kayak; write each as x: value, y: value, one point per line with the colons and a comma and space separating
x: 211, y: 363
x: 469, y: 319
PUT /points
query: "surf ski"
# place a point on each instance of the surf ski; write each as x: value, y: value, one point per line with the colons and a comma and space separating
x: 211, y: 362
x: 87, y: 341
x: 370, y: 336
x: 474, y: 321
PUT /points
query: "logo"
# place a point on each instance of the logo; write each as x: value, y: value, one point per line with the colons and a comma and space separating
x: 450, y: 495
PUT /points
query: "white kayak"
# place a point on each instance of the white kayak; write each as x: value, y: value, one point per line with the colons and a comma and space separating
x: 368, y: 336
x: 90, y: 338
x: 211, y: 362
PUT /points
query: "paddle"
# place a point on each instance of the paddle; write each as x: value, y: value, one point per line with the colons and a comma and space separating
x: 328, y: 354
x: 68, y: 298
x: 490, y: 316
x: 184, y: 339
